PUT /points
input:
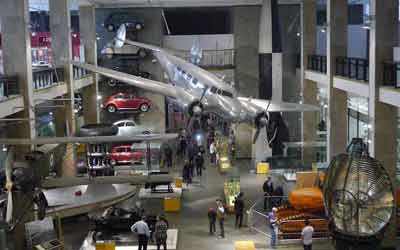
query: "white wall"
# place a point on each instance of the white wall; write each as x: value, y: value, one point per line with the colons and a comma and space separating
x: 207, y: 42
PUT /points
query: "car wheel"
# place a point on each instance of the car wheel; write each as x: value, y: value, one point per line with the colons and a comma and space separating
x: 110, y: 27
x: 138, y: 26
x: 144, y: 107
x: 112, y: 83
x: 142, y: 53
x: 111, y: 108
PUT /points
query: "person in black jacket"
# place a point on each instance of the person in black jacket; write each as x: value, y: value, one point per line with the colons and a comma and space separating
x: 239, y: 209
x: 212, y: 218
x: 199, y: 161
x: 268, y: 189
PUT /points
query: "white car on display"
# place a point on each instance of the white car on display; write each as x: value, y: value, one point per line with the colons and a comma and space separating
x: 130, y: 127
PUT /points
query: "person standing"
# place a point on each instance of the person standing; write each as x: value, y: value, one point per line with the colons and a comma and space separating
x: 306, y: 235
x: 160, y: 233
x: 273, y: 224
x: 186, y: 173
x: 142, y: 230
x: 168, y: 156
x: 199, y: 161
x: 239, y: 209
x: 212, y: 218
x: 213, y: 153
x: 268, y: 188
x: 221, y: 217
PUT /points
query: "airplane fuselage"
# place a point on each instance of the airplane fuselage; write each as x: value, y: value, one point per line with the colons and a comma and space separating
x: 219, y: 97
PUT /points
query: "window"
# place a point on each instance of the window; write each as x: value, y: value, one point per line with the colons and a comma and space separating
x: 213, y: 90
x: 195, y: 81
x: 118, y: 97
x: 121, y: 124
x: 128, y: 149
x: 228, y: 94
x: 130, y: 124
x: 120, y: 150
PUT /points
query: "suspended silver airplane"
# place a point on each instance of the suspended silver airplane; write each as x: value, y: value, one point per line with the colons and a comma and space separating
x: 196, y: 89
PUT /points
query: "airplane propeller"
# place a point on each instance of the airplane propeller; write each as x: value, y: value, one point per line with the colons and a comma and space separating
x: 261, y: 121
x: 9, y: 183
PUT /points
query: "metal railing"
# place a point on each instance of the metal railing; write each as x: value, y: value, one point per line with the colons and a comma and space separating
x: 391, y: 74
x: 8, y: 87
x: 317, y: 63
x: 79, y: 73
x: 44, y: 78
x: 353, y: 68
x: 214, y: 58
x: 258, y: 220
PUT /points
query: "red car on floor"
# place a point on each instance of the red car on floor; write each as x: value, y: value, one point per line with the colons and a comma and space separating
x: 125, y: 154
x: 124, y: 101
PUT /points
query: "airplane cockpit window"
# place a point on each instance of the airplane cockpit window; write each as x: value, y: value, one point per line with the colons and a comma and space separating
x: 227, y: 94
x: 213, y: 90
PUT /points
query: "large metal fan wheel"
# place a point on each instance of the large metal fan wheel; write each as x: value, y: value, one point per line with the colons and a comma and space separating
x: 358, y: 195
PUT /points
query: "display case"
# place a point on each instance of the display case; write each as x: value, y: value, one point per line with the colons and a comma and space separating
x: 224, y: 161
x: 231, y: 190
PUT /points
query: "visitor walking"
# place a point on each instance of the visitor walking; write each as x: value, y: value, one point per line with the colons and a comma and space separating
x: 186, y: 173
x: 239, y: 209
x: 213, y: 153
x: 268, y: 188
x: 273, y: 224
x: 221, y: 217
x: 306, y: 235
x: 212, y: 218
x: 199, y: 161
x: 160, y: 233
x: 142, y: 230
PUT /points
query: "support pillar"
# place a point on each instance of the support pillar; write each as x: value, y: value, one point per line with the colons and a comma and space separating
x: 60, y: 26
x: 383, y: 37
x: 337, y: 99
x: 17, y: 61
x: 87, y: 27
x: 270, y: 52
x: 309, y: 88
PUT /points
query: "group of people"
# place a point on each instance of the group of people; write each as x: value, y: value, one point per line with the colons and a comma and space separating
x: 218, y: 214
x: 142, y: 230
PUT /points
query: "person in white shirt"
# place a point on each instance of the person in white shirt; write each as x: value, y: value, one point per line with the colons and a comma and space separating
x: 142, y: 230
x: 213, y: 152
x: 306, y: 235
x: 221, y: 217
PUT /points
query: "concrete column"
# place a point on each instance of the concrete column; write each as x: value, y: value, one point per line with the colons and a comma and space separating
x: 309, y: 88
x: 270, y: 52
x: 383, y: 37
x: 60, y: 26
x: 246, y: 21
x: 87, y: 27
x: 16, y: 45
x: 337, y: 99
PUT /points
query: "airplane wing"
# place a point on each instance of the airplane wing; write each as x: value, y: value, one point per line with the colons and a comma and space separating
x: 90, y: 139
x: 261, y: 105
x: 146, y: 84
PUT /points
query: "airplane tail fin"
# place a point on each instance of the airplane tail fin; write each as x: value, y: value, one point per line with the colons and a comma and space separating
x: 196, y: 53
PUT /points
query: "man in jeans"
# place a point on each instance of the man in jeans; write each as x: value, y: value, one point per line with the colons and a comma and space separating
x: 221, y: 217
x: 273, y: 224
x: 142, y: 230
x: 306, y: 235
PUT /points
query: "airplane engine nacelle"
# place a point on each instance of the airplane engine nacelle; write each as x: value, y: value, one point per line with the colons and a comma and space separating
x: 195, y: 108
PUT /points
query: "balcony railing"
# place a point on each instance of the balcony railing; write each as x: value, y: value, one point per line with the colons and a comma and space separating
x: 353, y: 68
x: 391, y: 74
x: 214, y: 58
x: 8, y: 87
x: 79, y: 73
x: 317, y: 63
x: 44, y: 78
